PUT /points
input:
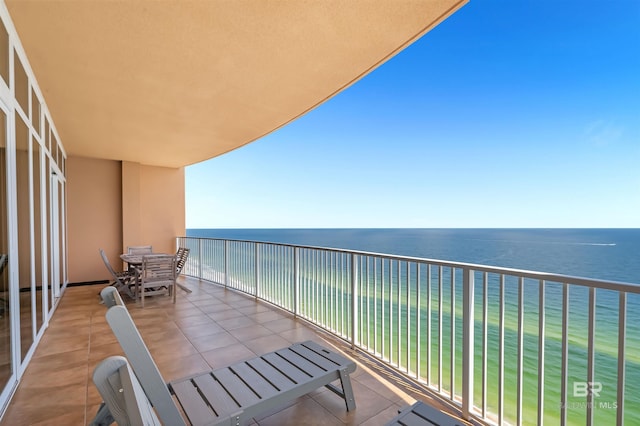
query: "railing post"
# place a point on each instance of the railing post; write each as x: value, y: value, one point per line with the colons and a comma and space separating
x: 200, y: 258
x: 296, y: 280
x: 467, y: 342
x: 257, y: 267
x: 226, y: 263
x: 354, y: 299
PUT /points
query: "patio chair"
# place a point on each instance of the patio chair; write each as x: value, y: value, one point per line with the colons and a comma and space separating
x: 157, y: 276
x: 122, y: 281
x: 234, y: 394
x: 182, y: 254
x: 140, y: 250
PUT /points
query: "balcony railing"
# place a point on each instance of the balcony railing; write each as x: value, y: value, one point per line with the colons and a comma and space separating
x: 507, y: 346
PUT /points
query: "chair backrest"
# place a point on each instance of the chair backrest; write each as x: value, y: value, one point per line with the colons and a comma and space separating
x: 105, y: 259
x: 139, y: 249
x: 139, y: 357
x: 181, y: 255
x: 158, y: 268
x: 122, y: 393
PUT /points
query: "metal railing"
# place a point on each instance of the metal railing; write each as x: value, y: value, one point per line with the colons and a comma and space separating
x: 507, y: 346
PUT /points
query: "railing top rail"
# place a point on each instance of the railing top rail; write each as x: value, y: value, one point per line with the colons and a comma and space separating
x: 546, y: 276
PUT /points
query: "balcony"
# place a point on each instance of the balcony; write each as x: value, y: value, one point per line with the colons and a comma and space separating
x: 209, y: 328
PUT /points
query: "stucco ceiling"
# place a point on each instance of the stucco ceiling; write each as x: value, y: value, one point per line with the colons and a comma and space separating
x: 172, y: 83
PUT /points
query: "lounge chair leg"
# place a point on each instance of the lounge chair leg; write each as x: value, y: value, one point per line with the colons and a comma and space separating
x: 103, y: 417
x: 346, y: 392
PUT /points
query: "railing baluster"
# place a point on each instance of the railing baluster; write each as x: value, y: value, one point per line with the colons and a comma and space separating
x: 368, y: 305
x: 453, y: 334
x: 622, y: 338
x: 382, y: 302
x: 590, y: 352
x: 485, y: 324
x: 418, y: 324
x: 296, y: 280
x: 200, y: 259
x: 340, y: 295
x: 257, y: 267
x: 565, y: 354
x: 226, y: 263
x: 440, y: 328
x: 468, y: 346
x: 501, y: 355
x: 354, y: 303
x: 399, y: 317
x: 334, y: 290
x: 390, y: 311
x: 408, y: 340
x: 428, y: 324
x: 541, y: 341
x: 520, y: 349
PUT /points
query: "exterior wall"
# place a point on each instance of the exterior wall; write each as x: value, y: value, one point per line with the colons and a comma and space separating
x: 94, y: 219
x: 153, y: 206
x: 112, y: 205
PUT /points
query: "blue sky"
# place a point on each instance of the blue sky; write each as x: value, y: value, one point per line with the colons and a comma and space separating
x: 508, y: 114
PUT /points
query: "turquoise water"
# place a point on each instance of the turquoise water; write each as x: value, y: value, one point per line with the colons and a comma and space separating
x: 593, y: 253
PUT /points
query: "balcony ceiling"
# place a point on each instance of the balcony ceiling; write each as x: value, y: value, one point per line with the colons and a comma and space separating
x: 172, y: 83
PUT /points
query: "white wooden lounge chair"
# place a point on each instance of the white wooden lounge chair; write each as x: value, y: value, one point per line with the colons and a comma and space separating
x: 232, y: 395
x: 123, y: 281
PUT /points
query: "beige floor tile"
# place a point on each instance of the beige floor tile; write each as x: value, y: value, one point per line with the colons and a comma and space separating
x: 223, y: 357
x: 215, y: 341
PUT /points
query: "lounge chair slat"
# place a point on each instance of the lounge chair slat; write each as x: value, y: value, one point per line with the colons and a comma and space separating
x: 236, y: 388
x: 196, y: 409
x: 215, y: 395
x: 263, y: 388
x: 421, y: 414
x: 434, y: 415
x: 314, y: 358
x: 333, y: 356
x: 278, y: 379
x: 412, y: 419
x: 301, y: 363
x: 286, y: 368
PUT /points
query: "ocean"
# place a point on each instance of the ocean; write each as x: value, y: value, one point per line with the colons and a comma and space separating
x: 607, y: 254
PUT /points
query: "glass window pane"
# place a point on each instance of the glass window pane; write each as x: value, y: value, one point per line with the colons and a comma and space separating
x: 24, y: 235
x: 5, y: 319
x: 37, y: 232
x: 22, y: 84
x: 35, y: 112
x: 4, y: 53
x: 47, y: 208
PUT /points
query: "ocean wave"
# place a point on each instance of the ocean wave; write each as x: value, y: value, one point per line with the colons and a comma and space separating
x: 591, y: 244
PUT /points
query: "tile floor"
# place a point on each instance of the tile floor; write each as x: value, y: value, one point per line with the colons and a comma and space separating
x: 207, y: 329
